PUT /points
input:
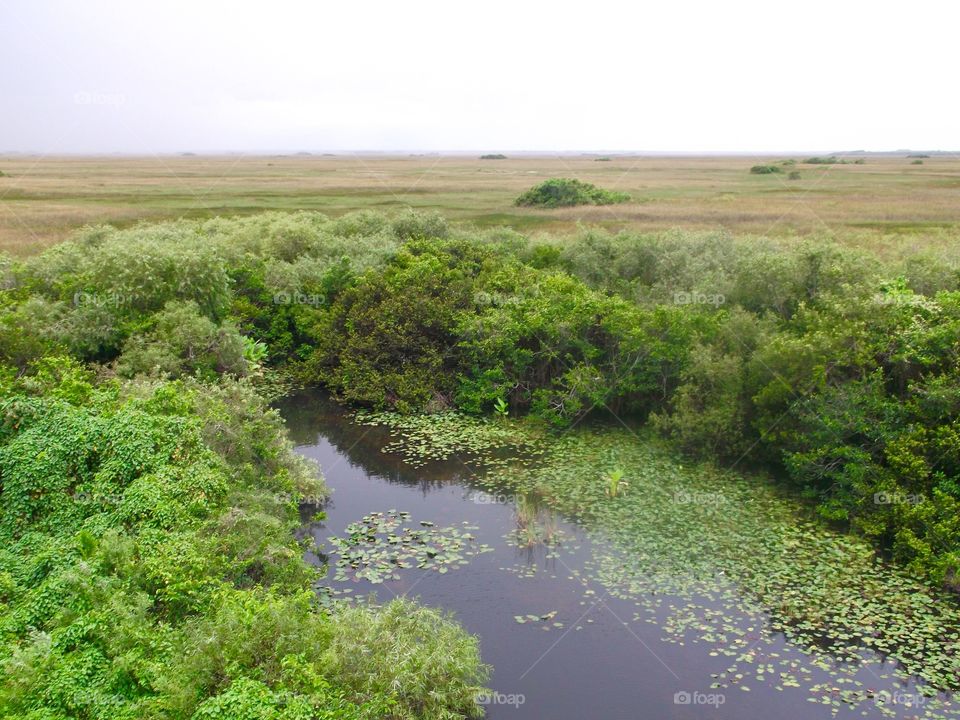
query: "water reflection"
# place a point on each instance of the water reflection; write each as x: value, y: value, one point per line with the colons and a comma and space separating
x: 576, y: 651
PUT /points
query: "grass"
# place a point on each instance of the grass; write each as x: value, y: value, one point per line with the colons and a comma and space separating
x: 44, y: 199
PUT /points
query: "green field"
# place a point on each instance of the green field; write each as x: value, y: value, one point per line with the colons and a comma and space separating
x: 880, y: 201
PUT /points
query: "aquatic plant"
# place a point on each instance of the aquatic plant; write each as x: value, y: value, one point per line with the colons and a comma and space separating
x: 536, y: 524
x: 722, y: 559
x: 381, y: 544
x: 615, y: 482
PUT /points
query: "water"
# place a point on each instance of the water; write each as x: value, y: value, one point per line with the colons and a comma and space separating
x: 602, y: 662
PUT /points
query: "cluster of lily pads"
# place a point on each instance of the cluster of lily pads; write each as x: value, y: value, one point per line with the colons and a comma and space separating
x: 716, y: 558
x: 381, y: 544
x: 546, y: 620
x: 424, y: 438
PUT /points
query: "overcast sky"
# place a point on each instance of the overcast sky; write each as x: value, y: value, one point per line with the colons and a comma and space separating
x: 279, y: 75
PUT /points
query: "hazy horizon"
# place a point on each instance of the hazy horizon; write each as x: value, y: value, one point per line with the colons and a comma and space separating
x: 743, y: 78
x: 415, y: 152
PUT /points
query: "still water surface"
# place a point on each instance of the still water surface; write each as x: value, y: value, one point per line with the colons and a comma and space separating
x: 604, y: 661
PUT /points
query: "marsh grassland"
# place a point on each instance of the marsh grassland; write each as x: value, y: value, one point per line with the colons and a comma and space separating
x: 885, y: 200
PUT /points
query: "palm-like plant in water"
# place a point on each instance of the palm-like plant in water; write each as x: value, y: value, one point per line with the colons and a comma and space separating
x: 615, y: 482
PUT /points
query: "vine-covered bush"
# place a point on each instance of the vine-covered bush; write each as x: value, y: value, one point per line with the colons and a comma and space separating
x: 149, y: 569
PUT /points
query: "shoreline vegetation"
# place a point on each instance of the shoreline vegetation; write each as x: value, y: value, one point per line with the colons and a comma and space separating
x: 149, y: 493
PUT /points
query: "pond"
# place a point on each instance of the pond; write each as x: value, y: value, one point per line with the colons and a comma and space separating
x: 561, y: 643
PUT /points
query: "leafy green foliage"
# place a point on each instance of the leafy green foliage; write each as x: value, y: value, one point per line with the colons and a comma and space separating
x: 181, y: 341
x: 765, y: 169
x: 387, y: 339
x: 149, y: 568
x: 562, y: 350
x: 564, y: 192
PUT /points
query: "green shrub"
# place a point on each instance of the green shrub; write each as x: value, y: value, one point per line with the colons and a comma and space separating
x: 149, y: 568
x: 562, y: 350
x: 711, y: 414
x: 414, y: 655
x: 562, y: 192
x: 830, y: 160
x: 387, y: 340
x: 411, y: 225
x: 765, y: 169
x: 181, y: 341
x: 493, y: 156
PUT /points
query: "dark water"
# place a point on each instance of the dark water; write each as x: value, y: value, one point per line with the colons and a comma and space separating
x: 614, y: 667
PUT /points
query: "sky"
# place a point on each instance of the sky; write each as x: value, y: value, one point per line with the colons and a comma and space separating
x: 104, y: 76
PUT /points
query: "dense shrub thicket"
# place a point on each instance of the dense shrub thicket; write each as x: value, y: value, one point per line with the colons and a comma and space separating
x: 563, y: 192
x: 148, y: 496
x: 148, y: 567
x: 834, y: 367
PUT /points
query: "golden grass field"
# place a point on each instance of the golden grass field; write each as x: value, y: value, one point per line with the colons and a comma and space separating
x: 886, y: 199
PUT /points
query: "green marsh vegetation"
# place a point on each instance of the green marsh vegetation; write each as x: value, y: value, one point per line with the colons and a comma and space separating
x: 149, y: 494
x: 830, y: 160
x: 564, y: 192
x: 870, y: 206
